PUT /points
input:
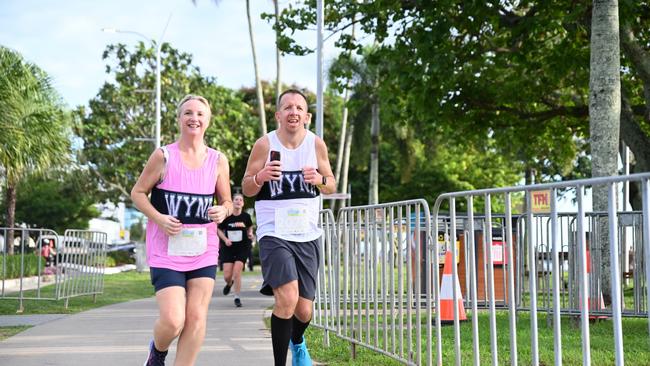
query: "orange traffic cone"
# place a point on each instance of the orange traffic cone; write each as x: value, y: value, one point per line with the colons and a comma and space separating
x: 447, y: 294
x: 594, y: 304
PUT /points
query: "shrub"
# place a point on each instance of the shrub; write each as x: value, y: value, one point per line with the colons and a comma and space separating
x: 120, y: 257
x: 13, y: 265
x: 110, y: 262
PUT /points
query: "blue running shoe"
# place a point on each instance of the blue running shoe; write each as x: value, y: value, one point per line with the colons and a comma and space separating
x: 299, y: 354
x: 155, y: 358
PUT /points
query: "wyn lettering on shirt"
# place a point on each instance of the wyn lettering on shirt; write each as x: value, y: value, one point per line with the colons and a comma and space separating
x: 296, y: 183
x: 200, y: 211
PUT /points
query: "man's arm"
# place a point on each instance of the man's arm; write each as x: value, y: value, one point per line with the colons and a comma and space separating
x: 324, y: 167
x: 258, y: 170
x: 256, y: 161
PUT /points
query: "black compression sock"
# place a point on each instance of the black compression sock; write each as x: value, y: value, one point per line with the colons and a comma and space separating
x: 280, y: 334
x: 298, y: 330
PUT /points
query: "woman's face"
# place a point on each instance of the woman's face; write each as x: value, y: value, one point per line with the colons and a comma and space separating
x: 194, y: 118
x: 238, y: 201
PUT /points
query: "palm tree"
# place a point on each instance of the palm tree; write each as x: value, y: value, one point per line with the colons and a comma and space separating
x: 363, y: 83
x: 604, y: 112
x: 258, y: 81
x: 343, y: 155
x: 35, y: 128
x: 278, y: 55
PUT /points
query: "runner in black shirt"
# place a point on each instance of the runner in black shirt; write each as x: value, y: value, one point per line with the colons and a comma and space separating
x: 236, y: 233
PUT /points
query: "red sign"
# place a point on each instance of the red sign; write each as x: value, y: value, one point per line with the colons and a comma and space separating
x: 499, y: 252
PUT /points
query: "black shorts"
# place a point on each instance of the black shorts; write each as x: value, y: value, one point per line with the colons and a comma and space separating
x: 284, y: 261
x: 165, y: 277
x: 234, y: 253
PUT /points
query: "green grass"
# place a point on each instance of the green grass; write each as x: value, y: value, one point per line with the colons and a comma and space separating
x: 339, y: 351
x: 636, y: 343
x: 6, y: 332
x: 120, y: 287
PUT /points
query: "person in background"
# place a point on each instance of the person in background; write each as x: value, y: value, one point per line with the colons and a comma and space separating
x: 182, y: 243
x: 48, y: 252
x: 236, y: 233
x: 251, y: 257
x: 287, y: 204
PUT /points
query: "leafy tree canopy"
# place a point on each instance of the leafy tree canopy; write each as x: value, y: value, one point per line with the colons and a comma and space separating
x: 123, y: 111
x: 59, y: 201
x: 509, y: 76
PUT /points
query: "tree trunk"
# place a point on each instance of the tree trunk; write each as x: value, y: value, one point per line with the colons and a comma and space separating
x: 278, y: 56
x: 10, y: 196
x: 529, y: 179
x: 631, y: 133
x: 342, y: 136
x: 342, y: 141
x: 604, y: 114
x: 258, y: 81
x: 346, y: 161
x: 639, y: 143
x: 373, y: 184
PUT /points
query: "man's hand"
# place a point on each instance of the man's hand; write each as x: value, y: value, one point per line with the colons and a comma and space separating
x: 272, y: 171
x: 312, y: 176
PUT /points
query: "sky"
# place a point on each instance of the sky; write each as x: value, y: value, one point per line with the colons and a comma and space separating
x: 65, y: 39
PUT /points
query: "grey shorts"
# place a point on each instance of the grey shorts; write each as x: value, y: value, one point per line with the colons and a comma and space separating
x: 285, y: 261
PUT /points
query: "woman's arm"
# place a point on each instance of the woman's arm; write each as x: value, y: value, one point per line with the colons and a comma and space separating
x: 140, y: 194
x: 224, y: 198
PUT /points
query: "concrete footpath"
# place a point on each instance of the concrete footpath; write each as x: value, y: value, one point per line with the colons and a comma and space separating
x: 119, y: 334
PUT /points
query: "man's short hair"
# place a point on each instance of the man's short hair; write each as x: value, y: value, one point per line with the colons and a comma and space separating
x: 292, y: 91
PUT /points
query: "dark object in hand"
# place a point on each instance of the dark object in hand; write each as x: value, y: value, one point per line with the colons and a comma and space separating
x: 275, y: 155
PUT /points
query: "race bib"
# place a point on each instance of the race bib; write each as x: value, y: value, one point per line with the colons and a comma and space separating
x: 234, y: 235
x: 188, y: 243
x: 292, y: 220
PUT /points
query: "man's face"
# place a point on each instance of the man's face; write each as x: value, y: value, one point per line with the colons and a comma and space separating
x: 292, y: 114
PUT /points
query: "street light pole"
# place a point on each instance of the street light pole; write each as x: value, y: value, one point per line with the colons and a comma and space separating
x: 157, y: 137
x: 158, y: 64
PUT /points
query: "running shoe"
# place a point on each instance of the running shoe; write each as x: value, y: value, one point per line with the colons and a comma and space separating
x: 155, y: 358
x: 237, y: 302
x: 299, y: 354
x: 226, y: 288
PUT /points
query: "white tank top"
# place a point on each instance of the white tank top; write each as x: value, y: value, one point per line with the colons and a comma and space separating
x: 289, y: 208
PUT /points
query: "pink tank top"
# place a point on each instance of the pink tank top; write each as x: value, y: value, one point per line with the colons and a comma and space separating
x: 185, y: 194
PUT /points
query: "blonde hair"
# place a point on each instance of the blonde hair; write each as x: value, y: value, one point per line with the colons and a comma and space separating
x: 189, y: 97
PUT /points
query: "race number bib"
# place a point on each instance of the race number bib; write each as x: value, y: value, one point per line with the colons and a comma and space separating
x: 188, y: 243
x: 292, y: 220
x: 234, y: 235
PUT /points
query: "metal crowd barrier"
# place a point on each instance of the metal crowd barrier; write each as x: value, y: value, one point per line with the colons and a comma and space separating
x: 371, y: 292
x: 327, y: 286
x: 83, y: 264
x: 629, y: 233
x: 76, y: 269
x: 375, y: 298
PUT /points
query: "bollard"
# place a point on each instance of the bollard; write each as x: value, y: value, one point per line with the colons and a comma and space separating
x: 141, y: 257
